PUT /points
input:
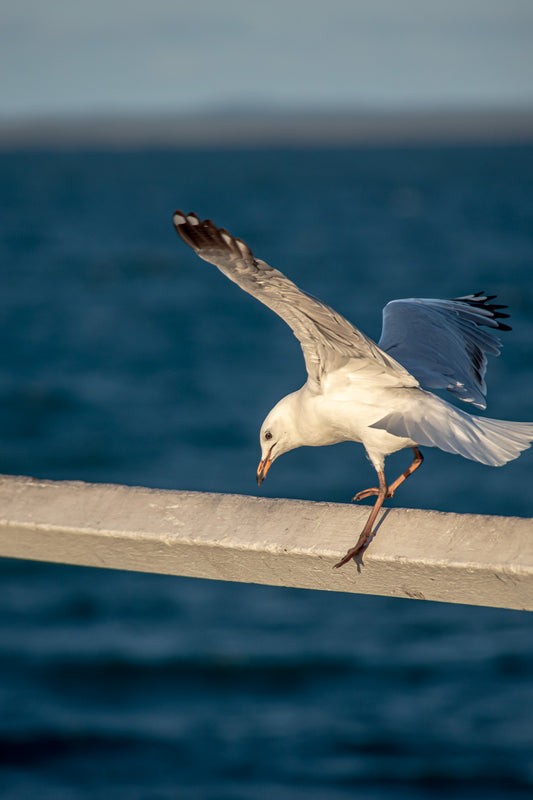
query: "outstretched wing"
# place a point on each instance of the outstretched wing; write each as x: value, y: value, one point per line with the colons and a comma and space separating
x: 327, y: 339
x: 444, y: 343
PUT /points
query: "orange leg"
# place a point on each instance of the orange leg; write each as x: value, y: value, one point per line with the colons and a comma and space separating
x: 400, y: 479
x: 383, y: 493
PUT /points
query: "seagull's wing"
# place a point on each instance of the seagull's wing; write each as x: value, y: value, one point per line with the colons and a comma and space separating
x: 327, y: 339
x: 444, y: 343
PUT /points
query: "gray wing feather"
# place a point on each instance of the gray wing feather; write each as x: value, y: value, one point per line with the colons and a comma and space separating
x: 327, y: 339
x: 442, y: 343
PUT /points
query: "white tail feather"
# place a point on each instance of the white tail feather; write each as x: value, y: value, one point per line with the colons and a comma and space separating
x: 439, y: 424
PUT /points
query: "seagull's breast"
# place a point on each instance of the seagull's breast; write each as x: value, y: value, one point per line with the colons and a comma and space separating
x: 346, y: 409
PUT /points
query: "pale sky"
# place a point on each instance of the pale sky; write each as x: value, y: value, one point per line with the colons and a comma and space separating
x: 58, y: 56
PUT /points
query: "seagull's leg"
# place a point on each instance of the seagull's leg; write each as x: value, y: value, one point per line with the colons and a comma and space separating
x: 383, y: 493
x: 366, y: 535
x: 417, y: 461
x: 392, y: 488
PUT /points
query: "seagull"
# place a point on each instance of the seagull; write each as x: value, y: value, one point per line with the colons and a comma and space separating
x: 375, y: 394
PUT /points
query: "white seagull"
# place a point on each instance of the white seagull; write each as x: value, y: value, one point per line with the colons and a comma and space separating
x: 370, y: 393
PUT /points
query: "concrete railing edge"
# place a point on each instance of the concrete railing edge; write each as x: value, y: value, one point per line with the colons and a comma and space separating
x: 459, y: 558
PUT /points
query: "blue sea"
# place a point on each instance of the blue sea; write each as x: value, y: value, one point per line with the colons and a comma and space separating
x: 127, y: 359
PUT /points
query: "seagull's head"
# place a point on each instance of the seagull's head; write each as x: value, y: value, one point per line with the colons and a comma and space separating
x: 279, y: 434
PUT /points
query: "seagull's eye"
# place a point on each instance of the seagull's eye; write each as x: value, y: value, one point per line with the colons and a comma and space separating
x: 268, y: 435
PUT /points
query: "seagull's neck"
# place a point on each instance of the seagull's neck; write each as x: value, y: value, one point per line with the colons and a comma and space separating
x: 303, y: 411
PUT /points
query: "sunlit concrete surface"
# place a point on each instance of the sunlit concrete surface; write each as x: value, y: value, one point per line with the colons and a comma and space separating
x: 456, y: 558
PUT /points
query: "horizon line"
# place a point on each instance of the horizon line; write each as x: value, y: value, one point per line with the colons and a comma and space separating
x: 241, y: 125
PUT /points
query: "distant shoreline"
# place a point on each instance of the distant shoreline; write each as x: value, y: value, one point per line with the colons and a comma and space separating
x: 238, y: 128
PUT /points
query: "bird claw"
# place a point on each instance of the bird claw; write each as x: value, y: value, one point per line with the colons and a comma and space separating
x: 356, y: 552
x: 369, y: 493
x: 364, y: 493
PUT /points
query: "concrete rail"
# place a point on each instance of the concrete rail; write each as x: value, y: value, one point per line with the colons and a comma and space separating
x: 455, y: 558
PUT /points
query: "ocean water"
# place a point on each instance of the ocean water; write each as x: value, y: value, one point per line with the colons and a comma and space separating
x: 127, y: 359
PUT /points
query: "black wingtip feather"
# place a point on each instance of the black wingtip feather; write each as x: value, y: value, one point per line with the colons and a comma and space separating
x: 482, y: 300
x: 203, y: 235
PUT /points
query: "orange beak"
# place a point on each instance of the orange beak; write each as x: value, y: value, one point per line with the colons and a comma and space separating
x: 262, y: 469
